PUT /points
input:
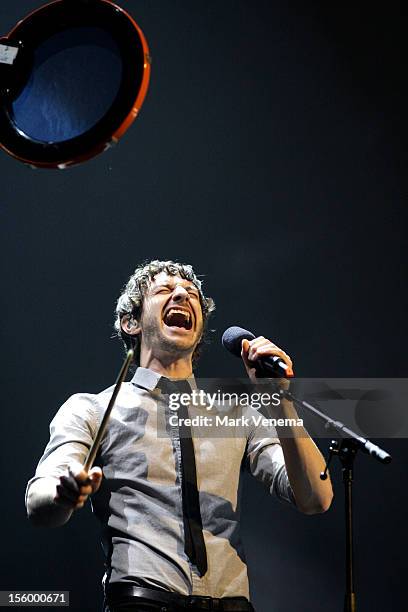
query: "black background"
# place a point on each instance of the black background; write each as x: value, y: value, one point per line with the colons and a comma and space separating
x: 271, y: 154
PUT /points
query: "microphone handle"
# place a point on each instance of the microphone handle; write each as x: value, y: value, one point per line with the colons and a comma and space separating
x: 272, y: 366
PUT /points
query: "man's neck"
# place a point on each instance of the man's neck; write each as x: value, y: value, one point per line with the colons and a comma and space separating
x: 168, y: 367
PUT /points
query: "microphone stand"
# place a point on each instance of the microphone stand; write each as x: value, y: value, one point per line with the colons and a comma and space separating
x: 346, y: 450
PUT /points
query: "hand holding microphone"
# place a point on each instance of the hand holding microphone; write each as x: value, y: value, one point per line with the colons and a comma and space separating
x: 256, y: 351
x: 262, y: 358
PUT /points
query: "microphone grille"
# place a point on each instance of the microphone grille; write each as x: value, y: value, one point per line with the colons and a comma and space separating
x: 232, y: 339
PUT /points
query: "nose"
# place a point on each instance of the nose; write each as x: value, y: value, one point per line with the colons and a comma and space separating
x: 180, y: 294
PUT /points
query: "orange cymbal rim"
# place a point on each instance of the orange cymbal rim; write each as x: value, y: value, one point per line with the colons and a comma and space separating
x: 135, y: 57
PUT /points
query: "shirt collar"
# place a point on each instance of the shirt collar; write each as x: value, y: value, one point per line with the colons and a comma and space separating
x: 148, y: 379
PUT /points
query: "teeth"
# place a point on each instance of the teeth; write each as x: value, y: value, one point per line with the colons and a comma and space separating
x: 176, y: 311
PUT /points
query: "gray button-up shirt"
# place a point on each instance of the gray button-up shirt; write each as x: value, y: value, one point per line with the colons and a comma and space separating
x: 139, y: 502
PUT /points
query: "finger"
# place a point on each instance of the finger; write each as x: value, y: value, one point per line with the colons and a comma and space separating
x: 95, y: 476
x: 82, y: 499
x: 257, y: 352
x: 69, y: 482
x: 258, y: 342
x: 80, y: 475
x: 86, y: 490
x: 262, y: 342
x: 251, y: 371
x: 274, y: 350
x: 61, y: 500
x: 245, y: 346
x: 95, y: 472
x: 67, y: 494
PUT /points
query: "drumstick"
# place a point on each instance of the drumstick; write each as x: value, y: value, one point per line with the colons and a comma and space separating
x: 101, y: 430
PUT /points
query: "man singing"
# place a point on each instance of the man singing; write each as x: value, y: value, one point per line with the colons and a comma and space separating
x: 168, y: 501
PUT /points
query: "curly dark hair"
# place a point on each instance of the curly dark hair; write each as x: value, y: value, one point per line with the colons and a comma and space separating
x: 130, y: 301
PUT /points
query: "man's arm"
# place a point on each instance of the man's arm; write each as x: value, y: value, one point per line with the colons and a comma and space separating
x: 60, y: 485
x: 304, y: 464
x: 303, y: 460
x: 50, y: 501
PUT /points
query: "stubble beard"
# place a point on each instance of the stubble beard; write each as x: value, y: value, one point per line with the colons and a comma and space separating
x: 159, y: 343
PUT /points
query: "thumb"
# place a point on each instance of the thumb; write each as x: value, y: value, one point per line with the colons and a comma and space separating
x: 95, y: 477
x: 251, y: 371
x: 244, y: 352
x: 244, y: 347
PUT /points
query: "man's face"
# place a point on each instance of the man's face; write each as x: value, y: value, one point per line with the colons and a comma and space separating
x: 171, y: 320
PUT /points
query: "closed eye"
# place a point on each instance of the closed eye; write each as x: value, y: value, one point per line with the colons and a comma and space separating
x: 163, y: 290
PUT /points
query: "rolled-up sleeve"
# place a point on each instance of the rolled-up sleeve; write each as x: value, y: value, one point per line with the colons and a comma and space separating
x: 71, y: 433
x: 266, y: 462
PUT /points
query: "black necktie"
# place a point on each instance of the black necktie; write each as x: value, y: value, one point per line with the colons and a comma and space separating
x: 194, y: 546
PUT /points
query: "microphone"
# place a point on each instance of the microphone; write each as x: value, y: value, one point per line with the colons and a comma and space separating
x: 266, y: 367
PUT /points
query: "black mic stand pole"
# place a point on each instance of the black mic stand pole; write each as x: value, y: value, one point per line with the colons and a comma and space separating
x: 346, y: 449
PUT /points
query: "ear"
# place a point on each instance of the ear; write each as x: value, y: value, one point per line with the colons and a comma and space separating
x: 130, y: 326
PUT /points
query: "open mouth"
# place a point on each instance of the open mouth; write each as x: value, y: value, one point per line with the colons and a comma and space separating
x: 175, y: 317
